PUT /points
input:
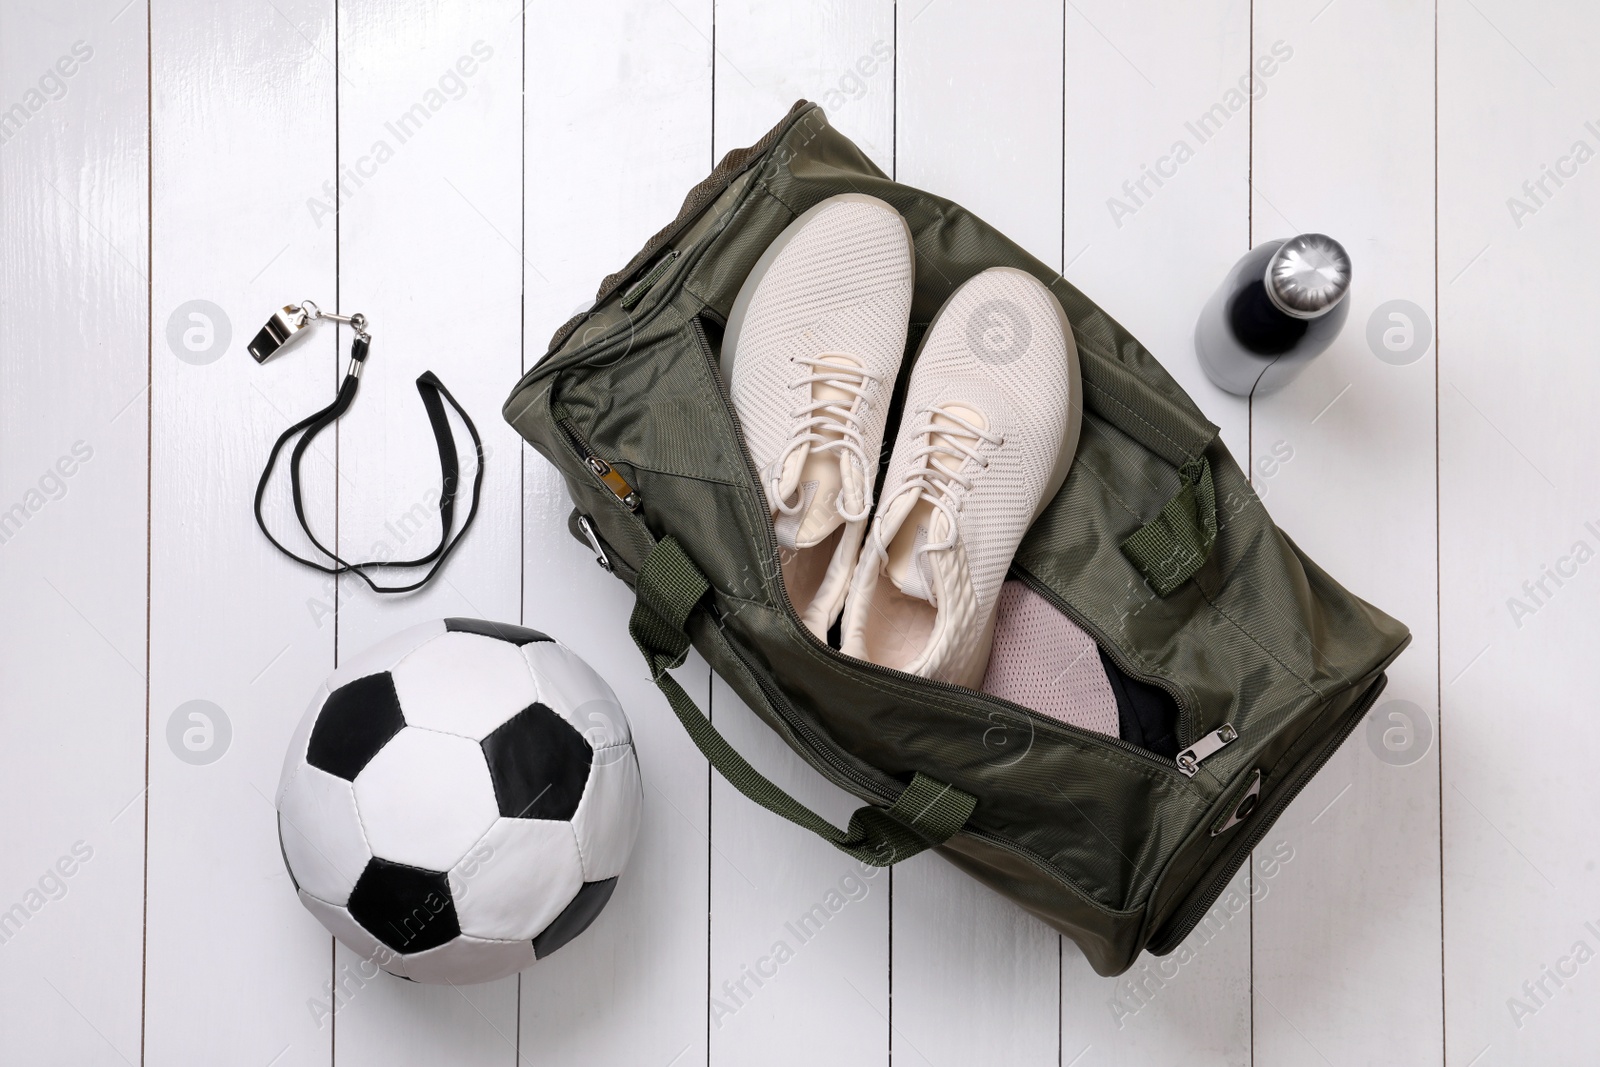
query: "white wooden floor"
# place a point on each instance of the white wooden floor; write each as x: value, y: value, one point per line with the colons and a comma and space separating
x: 1431, y: 898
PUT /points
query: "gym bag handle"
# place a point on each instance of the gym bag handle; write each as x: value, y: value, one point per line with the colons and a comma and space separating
x: 925, y: 814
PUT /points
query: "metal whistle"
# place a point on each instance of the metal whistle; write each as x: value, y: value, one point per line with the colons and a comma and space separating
x: 285, y: 327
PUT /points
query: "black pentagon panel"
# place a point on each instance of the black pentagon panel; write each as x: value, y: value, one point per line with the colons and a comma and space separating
x: 407, y: 908
x: 505, y: 631
x: 574, y: 918
x: 539, y: 765
x: 356, y: 720
x: 285, y: 854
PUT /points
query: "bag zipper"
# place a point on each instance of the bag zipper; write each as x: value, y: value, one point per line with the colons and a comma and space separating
x: 1028, y: 714
x: 1173, y: 932
x: 609, y: 476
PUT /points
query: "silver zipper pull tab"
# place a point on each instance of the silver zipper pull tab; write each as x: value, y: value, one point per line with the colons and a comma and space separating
x: 600, y: 556
x: 286, y: 326
x: 1189, y: 759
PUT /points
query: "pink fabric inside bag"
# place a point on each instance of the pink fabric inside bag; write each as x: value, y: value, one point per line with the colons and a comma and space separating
x: 1042, y: 660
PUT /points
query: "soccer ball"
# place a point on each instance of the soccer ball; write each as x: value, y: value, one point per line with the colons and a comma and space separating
x: 459, y: 800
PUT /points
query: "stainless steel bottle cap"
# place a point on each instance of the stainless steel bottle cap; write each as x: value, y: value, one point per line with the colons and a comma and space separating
x: 1308, y: 275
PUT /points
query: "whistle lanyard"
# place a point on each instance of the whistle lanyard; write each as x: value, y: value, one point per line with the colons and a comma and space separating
x: 289, y: 325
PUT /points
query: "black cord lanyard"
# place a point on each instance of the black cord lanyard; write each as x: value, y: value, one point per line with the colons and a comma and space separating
x: 286, y: 326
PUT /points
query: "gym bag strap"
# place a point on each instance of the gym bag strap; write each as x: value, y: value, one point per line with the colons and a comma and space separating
x: 925, y: 814
x: 434, y: 396
x: 1171, y: 547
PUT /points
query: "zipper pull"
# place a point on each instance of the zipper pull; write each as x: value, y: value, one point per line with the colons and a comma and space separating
x: 600, y: 468
x: 600, y: 557
x: 1190, y: 758
x: 614, y: 482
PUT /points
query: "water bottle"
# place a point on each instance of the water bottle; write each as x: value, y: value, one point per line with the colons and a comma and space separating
x: 1280, y: 306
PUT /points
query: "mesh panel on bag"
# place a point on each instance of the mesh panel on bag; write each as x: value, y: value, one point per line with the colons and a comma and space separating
x: 1042, y: 660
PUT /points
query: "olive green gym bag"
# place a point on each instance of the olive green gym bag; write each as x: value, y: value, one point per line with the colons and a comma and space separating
x: 1156, y: 546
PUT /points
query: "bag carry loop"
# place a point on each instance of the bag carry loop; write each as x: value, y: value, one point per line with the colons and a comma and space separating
x: 1171, y: 547
x: 925, y: 814
x: 288, y: 325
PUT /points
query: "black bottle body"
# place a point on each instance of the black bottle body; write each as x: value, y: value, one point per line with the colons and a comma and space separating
x: 1247, y: 344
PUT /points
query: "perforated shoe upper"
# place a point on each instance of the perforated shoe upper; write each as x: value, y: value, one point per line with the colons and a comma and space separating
x: 988, y: 431
x: 812, y: 350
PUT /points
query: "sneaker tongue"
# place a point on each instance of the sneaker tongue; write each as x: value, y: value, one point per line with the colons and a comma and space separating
x: 822, y: 470
x: 910, y: 569
x: 817, y: 480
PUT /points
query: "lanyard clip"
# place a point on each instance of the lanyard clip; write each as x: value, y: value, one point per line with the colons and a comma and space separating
x: 358, y: 321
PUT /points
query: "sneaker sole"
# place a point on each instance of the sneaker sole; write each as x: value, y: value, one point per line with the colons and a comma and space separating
x: 741, y: 303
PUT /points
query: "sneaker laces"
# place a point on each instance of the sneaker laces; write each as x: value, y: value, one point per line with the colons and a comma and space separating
x: 831, y: 425
x: 958, y: 439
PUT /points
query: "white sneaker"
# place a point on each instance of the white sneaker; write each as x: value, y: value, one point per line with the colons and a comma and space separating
x: 813, y: 345
x: 991, y: 422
